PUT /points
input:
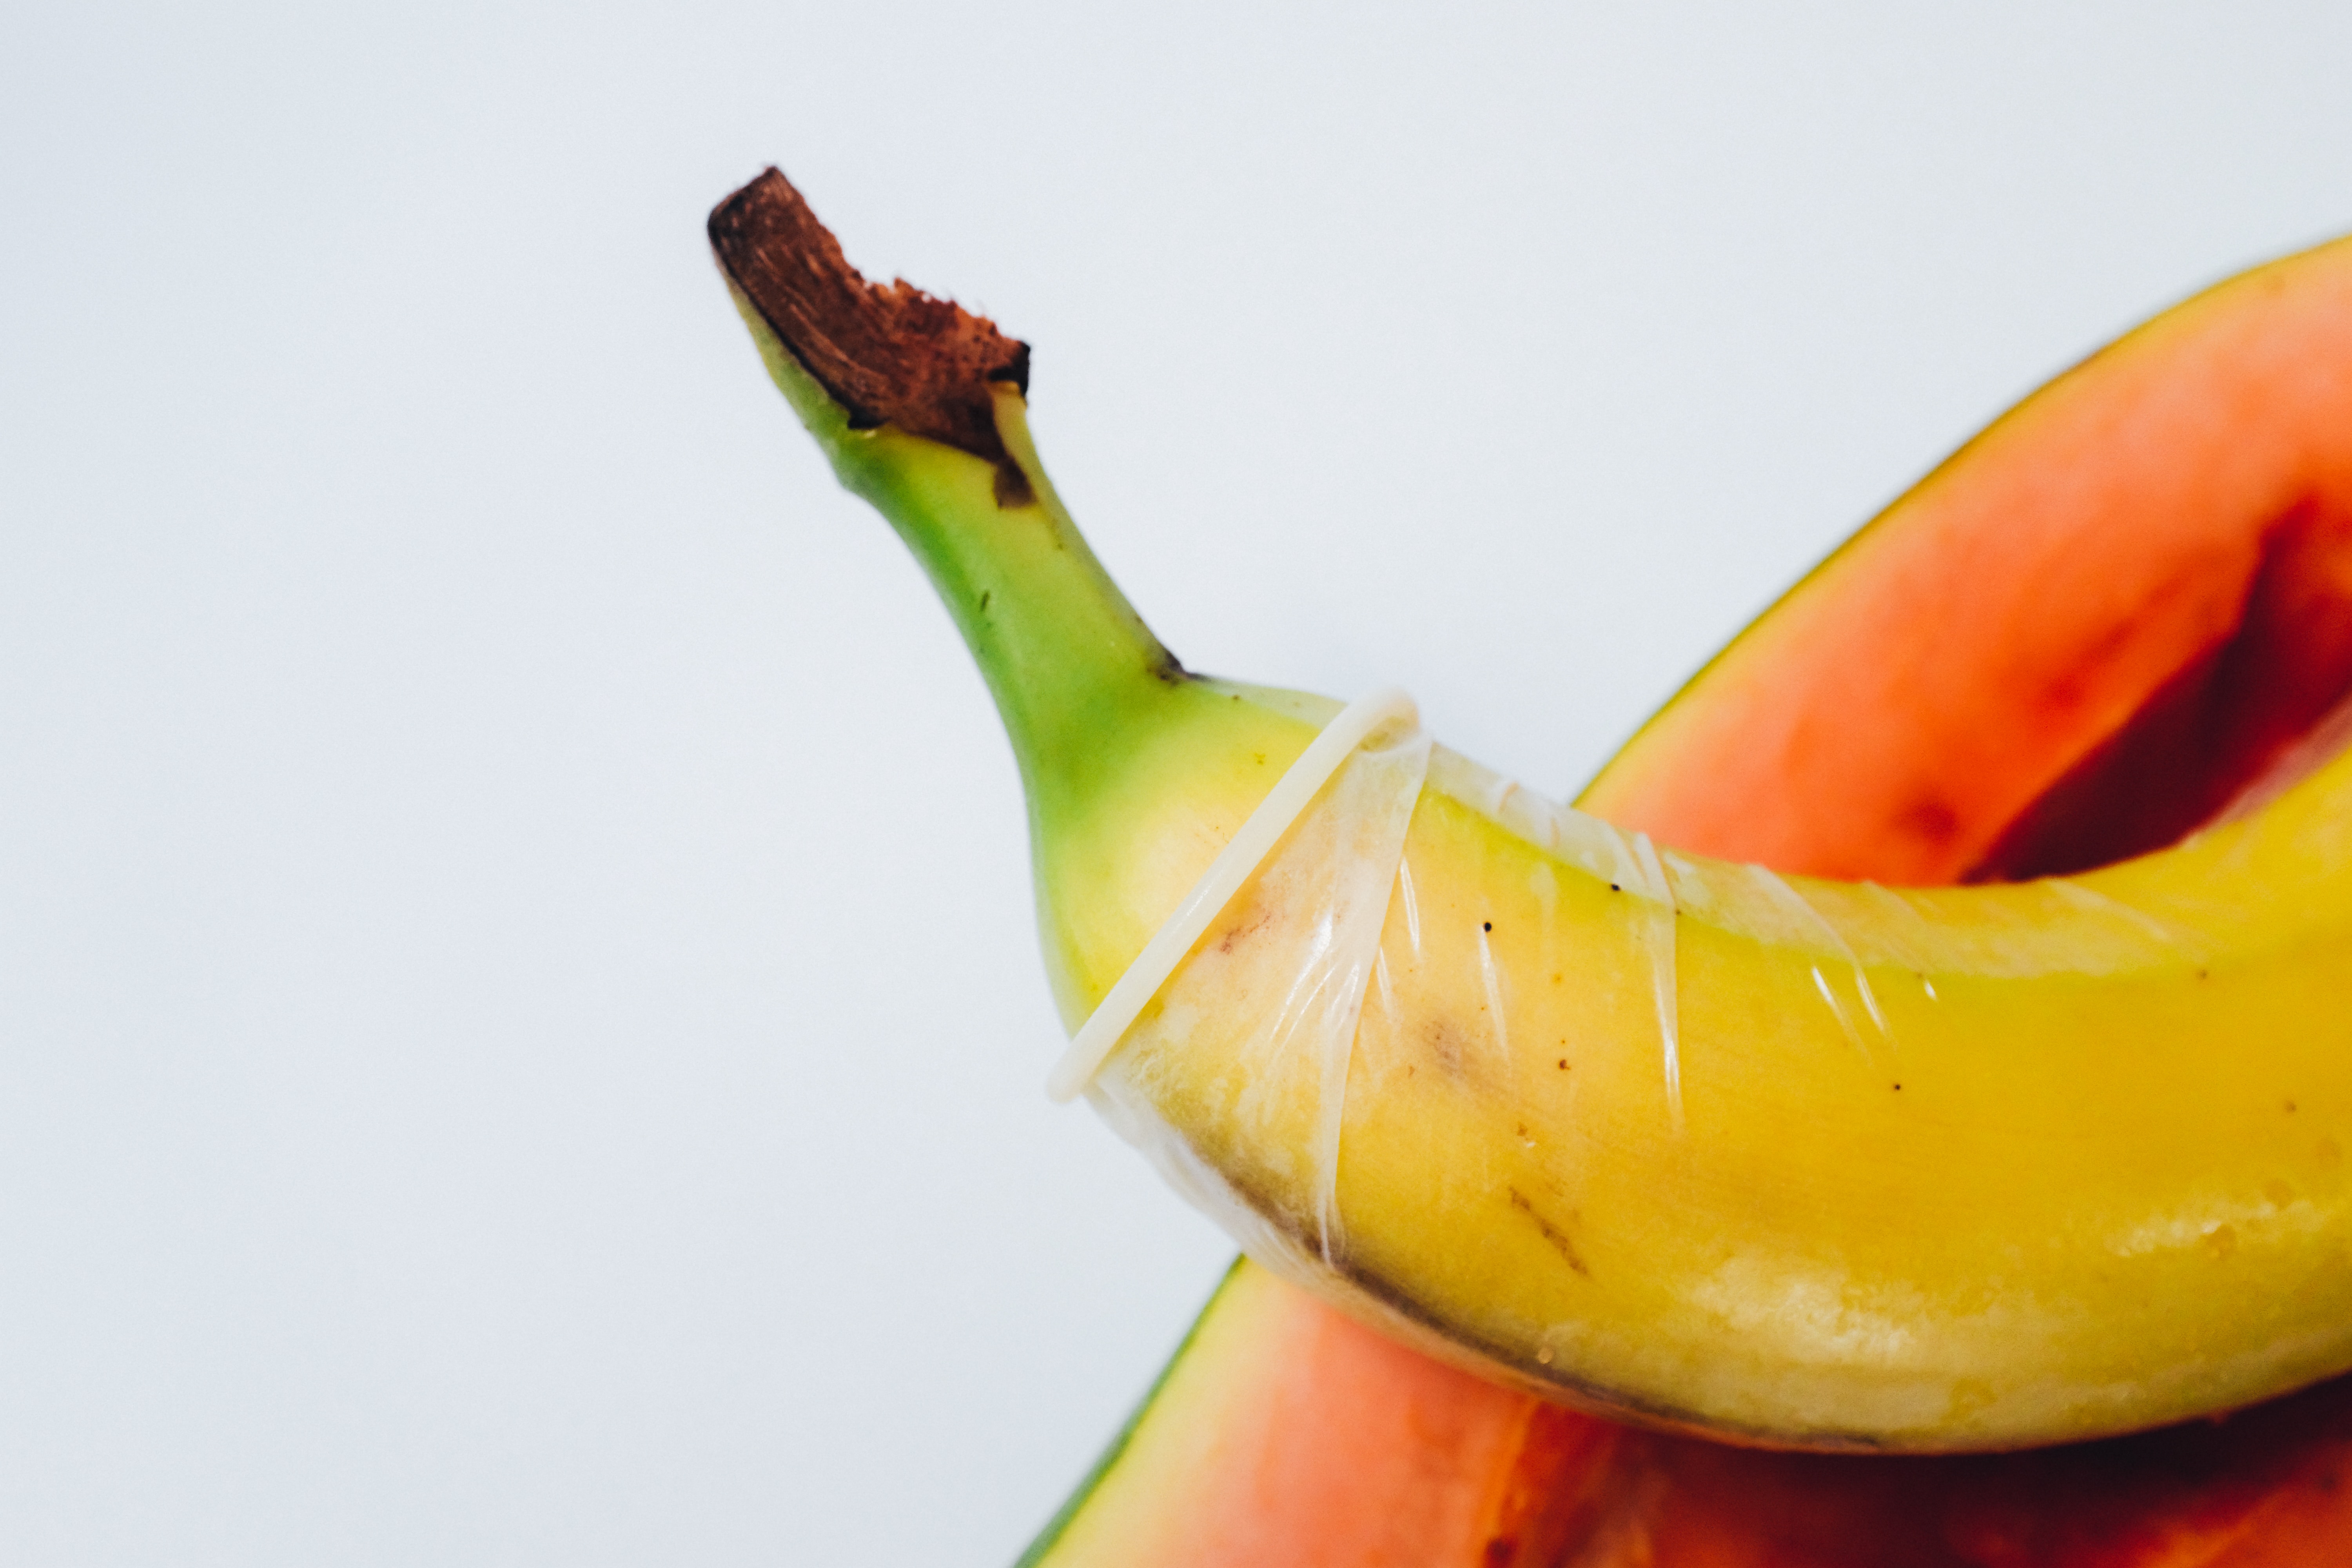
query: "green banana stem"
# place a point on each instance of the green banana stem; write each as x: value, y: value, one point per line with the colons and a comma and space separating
x: 921, y: 407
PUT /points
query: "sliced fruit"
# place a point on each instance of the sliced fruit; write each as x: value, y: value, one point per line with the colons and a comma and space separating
x: 2274, y: 548
x: 1280, y: 1421
x: 2072, y: 643
x: 1283, y: 1432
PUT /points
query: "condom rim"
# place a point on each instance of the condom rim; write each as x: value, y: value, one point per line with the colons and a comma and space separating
x: 1283, y: 804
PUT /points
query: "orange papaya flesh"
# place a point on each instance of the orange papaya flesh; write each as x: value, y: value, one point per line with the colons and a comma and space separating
x: 1284, y: 1433
x: 2070, y: 644
x: 2077, y: 639
x: 2273, y: 1485
x: 1288, y: 1434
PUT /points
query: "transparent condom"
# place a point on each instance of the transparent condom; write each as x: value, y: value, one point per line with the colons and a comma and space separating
x: 1305, y: 979
x: 1361, y: 720
x: 1340, y: 865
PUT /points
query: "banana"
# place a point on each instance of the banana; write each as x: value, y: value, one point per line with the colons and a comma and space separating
x: 1791, y: 1161
x: 1795, y: 1161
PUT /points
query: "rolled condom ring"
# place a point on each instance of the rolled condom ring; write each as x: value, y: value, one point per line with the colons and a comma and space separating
x: 1359, y: 722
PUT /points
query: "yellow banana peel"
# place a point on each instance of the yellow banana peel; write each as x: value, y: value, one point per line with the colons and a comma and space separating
x: 1808, y: 1163
x: 1803, y: 1162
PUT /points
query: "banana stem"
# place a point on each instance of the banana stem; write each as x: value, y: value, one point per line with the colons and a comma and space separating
x: 921, y: 407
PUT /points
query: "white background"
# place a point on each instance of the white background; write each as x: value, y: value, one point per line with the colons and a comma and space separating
x: 519, y: 1029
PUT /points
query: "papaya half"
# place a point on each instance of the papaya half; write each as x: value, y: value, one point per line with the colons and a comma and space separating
x: 2120, y: 613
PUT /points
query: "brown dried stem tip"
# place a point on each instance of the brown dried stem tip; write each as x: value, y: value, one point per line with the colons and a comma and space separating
x: 890, y: 356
